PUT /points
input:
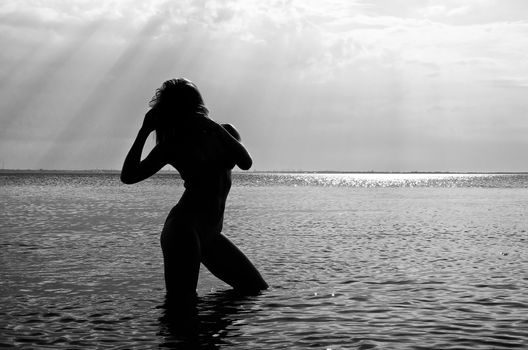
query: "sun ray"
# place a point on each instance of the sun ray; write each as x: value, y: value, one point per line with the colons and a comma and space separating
x: 18, y: 102
x: 374, y: 85
x: 90, y: 112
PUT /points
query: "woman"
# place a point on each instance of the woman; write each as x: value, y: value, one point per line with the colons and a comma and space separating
x: 204, y: 153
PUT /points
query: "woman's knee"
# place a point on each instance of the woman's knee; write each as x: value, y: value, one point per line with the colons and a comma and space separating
x: 228, y: 263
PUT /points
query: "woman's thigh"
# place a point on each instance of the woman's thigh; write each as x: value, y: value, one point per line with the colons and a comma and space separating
x: 181, y: 256
x: 228, y: 263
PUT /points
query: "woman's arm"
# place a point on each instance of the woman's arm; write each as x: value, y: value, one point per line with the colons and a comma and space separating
x: 134, y: 169
x: 232, y: 139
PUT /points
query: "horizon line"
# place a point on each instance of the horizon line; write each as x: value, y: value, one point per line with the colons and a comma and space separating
x: 116, y: 171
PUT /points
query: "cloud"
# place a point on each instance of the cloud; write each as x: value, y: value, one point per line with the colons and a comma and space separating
x: 351, y: 72
x: 326, y: 36
x: 510, y: 82
x: 436, y: 11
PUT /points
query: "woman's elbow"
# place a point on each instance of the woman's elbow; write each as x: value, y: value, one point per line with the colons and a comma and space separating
x: 245, y: 164
x: 126, y: 179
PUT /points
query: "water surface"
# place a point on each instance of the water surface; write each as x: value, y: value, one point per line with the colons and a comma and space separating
x: 360, y: 261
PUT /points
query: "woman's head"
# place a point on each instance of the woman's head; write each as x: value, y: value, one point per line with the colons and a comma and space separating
x: 176, y: 101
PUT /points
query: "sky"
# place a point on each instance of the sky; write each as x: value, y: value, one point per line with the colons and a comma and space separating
x: 344, y: 85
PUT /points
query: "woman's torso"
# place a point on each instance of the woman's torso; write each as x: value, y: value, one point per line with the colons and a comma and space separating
x: 204, y: 165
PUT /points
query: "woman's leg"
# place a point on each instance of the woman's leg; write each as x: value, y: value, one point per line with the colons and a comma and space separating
x: 228, y: 263
x: 181, y: 258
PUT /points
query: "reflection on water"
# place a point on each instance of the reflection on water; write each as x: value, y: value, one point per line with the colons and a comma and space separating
x: 432, y: 265
x: 210, y: 323
x: 376, y: 180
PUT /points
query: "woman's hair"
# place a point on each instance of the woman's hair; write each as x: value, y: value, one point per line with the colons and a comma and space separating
x: 176, y: 99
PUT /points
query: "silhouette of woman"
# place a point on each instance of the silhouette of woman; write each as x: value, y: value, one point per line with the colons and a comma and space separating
x: 204, y: 153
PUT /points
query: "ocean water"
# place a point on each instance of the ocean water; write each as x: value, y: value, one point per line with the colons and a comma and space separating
x: 354, y: 261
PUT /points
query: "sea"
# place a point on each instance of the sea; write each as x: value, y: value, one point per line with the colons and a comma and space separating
x: 353, y: 260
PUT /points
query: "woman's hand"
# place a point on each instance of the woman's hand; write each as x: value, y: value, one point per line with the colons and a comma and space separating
x: 150, y: 122
x: 134, y: 169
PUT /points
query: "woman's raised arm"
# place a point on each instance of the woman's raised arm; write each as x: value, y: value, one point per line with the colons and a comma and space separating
x: 232, y: 138
x: 134, y: 169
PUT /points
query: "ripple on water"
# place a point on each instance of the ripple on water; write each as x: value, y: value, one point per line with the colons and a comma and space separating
x: 349, y: 267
